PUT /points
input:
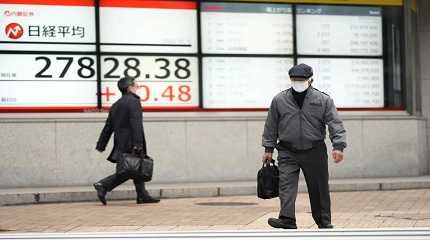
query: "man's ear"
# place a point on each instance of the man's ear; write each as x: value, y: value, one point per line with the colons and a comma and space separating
x: 311, y: 81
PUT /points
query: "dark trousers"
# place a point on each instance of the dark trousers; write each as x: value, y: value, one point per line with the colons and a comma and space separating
x: 313, y: 163
x: 114, y: 180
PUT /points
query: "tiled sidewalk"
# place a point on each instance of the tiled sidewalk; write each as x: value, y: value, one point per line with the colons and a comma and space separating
x: 375, y: 209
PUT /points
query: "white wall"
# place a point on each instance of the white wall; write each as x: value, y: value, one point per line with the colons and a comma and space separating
x: 193, y: 147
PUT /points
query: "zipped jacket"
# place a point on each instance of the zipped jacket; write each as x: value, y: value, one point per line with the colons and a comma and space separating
x: 301, y: 127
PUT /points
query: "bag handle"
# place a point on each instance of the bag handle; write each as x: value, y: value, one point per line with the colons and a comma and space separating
x: 267, y: 163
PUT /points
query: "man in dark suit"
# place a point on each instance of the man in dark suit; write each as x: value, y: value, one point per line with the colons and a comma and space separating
x: 125, y: 121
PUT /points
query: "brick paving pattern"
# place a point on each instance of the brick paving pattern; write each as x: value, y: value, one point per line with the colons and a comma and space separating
x: 378, y: 209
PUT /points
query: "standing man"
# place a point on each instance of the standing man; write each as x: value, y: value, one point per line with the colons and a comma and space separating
x: 296, y: 127
x: 125, y: 121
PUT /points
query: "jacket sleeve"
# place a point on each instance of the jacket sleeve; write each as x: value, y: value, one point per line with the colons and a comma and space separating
x: 136, y: 123
x: 335, y: 126
x: 105, y: 134
x: 270, y: 134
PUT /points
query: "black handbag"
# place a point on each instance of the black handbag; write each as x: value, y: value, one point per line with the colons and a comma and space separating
x: 135, y: 166
x: 268, y: 180
x: 146, y: 168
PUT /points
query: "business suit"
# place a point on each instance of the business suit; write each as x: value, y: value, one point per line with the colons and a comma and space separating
x: 125, y: 122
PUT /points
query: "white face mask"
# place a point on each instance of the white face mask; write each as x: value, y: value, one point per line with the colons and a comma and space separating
x: 300, y: 86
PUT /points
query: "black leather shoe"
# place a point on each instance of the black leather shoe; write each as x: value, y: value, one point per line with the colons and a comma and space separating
x: 147, y: 199
x: 282, y: 223
x: 328, y: 225
x: 101, y: 192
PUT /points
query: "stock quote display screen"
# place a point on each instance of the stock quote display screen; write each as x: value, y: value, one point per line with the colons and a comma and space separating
x: 339, y: 30
x: 355, y: 78
x: 163, y: 81
x: 54, y: 63
x: 48, y: 79
x: 351, y: 82
x: 185, y: 54
x: 152, y: 27
x: 248, y: 29
x: 243, y: 82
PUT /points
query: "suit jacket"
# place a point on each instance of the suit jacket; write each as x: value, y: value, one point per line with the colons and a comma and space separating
x: 125, y: 121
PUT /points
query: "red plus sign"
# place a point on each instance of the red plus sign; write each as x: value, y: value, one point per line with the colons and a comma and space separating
x: 107, y: 94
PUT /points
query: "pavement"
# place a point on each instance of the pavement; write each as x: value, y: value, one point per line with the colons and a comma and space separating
x: 13, y: 196
x: 357, y: 210
x: 306, y: 234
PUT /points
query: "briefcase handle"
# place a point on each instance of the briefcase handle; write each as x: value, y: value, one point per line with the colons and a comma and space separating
x: 267, y: 163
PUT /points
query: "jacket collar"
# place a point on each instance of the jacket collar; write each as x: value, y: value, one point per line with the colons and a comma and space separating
x: 132, y: 94
x: 308, y: 95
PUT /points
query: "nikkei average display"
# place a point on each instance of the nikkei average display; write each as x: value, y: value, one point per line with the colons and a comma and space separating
x: 50, y: 78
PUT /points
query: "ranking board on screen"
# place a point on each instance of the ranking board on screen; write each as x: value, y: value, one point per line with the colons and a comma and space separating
x: 185, y: 54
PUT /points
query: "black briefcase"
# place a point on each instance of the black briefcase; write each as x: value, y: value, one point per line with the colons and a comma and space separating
x: 268, y: 180
x: 135, y: 166
x: 146, y: 168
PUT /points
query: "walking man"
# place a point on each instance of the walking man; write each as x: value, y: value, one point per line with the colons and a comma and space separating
x: 296, y: 127
x: 125, y: 121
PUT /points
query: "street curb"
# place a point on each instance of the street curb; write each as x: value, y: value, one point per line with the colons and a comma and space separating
x: 189, y: 190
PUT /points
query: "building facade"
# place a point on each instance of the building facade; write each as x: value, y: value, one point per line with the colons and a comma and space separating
x: 218, y: 144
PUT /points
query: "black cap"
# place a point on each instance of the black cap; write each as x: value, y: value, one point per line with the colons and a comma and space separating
x: 301, y: 71
x: 124, y: 82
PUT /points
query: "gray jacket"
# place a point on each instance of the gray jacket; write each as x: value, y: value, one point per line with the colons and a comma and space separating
x: 286, y: 122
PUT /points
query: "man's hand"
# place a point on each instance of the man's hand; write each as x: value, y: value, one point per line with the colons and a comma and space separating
x: 137, y: 150
x: 337, y: 156
x: 267, y: 156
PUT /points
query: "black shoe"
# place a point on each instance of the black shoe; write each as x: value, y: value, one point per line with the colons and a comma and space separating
x: 147, y: 199
x: 328, y: 225
x: 101, y: 192
x: 282, y: 223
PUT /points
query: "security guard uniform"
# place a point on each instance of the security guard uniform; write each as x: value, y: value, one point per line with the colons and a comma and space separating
x: 296, y: 127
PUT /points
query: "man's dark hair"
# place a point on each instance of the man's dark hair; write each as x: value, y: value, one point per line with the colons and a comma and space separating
x: 123, y: 84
